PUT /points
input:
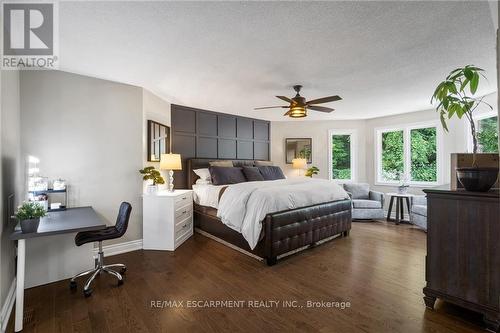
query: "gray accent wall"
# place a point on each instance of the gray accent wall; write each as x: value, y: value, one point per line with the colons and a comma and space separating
x: 206, y: 134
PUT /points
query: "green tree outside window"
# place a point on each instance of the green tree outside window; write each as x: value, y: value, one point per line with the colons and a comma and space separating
x: 488, y: 135
x: 341, y: 156
x: 392, y: 155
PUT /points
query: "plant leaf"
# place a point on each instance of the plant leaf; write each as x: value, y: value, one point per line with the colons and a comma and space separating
x: 474, y: 82
x: 443, y: 121
x: 468, y: 73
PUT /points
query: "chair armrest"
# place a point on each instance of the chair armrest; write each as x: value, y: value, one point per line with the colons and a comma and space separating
x: 377, y: 196
x: 349, y: 194
x: 419, y: 200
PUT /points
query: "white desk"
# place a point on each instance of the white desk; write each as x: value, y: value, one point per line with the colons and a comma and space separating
x: 68, y: 221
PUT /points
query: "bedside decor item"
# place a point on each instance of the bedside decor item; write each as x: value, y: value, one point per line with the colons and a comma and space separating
x: 456, y: 97
x: 312, y: 171
x: 29, y: 214
x: 158, y: 140
x: 151, y: 174
x: 298, y: 148
x: 403, y: 183
x: 299, y: 163
x: 59, y: 185
x: 170, y: 162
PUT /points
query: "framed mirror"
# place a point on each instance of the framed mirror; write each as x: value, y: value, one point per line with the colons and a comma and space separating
x: 298, y: 148
x: 158, y: 140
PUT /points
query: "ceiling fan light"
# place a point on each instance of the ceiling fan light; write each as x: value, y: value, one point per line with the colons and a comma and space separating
x: 298, y: 112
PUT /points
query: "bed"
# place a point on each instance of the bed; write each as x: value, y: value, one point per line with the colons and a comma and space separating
x: 283, y: 232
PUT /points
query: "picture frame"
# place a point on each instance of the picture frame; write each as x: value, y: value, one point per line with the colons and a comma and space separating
x: 298, y: 148
x: 158, y: 140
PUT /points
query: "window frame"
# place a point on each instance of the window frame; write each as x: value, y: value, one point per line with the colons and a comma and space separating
x: 406, y: 129
x: 353, y: 151
x: 477, y: 118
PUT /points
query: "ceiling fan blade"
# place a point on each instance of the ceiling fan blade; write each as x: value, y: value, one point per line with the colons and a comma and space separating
x: 324, y: 100
x: 320, y: 108
x: 271, y: 107
x: 284, y: 98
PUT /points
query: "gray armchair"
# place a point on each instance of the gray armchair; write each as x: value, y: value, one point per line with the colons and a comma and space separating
x: 418, y: 212
x: 366, y: 204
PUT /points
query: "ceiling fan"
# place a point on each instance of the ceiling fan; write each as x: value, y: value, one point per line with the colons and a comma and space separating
x: 298, y: 105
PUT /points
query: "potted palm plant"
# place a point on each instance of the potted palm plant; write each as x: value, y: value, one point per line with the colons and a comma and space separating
x: 29, y: 214
x: 455, y: 97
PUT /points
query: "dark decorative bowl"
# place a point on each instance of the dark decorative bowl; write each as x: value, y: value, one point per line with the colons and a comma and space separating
x: 477, y: 179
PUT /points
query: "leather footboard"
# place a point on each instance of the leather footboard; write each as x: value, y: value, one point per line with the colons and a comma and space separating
x: 290, y: 230
x: 285, y: 231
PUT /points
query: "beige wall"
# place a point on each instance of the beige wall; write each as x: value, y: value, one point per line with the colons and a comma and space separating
x: 318, y: 131
x: 89, y: 132
x: 157, y: 109
x: 453, y: 142
x: 12, y: 174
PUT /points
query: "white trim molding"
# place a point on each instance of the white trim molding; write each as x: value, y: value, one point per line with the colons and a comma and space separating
x: 353, y: 151
x: 7, y: 306
x: 113, y: 249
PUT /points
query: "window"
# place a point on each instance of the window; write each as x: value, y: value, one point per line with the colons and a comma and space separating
x: 487, y: 132
x: 408, y: 153
x: 341, y: 151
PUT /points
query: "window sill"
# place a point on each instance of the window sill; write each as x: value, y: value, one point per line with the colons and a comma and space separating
x: 417, y: 185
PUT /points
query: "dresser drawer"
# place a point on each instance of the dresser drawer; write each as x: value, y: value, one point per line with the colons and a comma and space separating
x: 183, y: 213
x: 181, y: 228
x: 183, y: 200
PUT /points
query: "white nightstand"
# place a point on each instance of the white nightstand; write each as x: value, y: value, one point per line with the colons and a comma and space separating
x: 167, y: 219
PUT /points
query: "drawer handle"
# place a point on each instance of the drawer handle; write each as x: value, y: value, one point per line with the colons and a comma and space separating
x: 184, y: 226
x: 184, y: 198
x: 184, y: 212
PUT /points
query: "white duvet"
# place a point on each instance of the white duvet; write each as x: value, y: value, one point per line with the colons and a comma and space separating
x: 243, y: 206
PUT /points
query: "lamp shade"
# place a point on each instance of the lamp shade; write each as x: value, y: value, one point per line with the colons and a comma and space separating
x: 299, y: 163
x: 170, y: 162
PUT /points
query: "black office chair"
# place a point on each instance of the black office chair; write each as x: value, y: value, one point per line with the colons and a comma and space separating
x: 115, y: 231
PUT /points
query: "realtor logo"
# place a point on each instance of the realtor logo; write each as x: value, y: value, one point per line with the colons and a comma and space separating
x: 29, y: 35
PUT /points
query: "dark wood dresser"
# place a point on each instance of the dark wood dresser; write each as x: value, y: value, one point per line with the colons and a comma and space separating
x: 463, y: 251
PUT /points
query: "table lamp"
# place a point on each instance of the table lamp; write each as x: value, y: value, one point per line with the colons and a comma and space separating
x: 299, y: 163
x: 170, y: 162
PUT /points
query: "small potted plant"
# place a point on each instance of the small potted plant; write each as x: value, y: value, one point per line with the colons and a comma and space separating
x: 29, y: 214
x: 151, y: 174
x: 312, y: 171
x: 456, y: 97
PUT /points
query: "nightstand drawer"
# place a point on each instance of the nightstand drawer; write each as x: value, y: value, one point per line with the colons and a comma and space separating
x: 183, y: 227
x: 183, y: 213
x: 184, y: 199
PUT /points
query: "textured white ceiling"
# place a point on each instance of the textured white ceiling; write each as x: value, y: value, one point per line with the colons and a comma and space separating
x: 382, y: 57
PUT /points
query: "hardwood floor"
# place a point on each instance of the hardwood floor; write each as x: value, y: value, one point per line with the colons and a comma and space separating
x: 379, y: 269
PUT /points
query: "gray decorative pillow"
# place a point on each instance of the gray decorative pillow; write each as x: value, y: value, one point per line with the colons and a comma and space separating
x: 227, y: 164
x: 271, y: 172
x: 226, y: 175
x: 252, y: 174
x: 263, y: 163
x: 358, y: 190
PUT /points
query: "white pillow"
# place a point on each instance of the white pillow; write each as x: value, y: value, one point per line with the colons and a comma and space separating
x: 204, y: 174
x: 200, y: 181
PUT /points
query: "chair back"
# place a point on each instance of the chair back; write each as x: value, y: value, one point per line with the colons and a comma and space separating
x: 123, y: 217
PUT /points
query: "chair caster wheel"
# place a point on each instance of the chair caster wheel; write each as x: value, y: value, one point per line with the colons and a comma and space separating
x: 87, y: 293
x: 72, y: 285
x: 120, y: 282
x: 123, y: 270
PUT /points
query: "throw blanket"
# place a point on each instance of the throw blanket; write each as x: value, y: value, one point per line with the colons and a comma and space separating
x: 243, y: 206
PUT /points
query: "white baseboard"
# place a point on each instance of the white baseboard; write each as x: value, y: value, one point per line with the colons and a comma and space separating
x: 7, y: 306
x: 113, y: 249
